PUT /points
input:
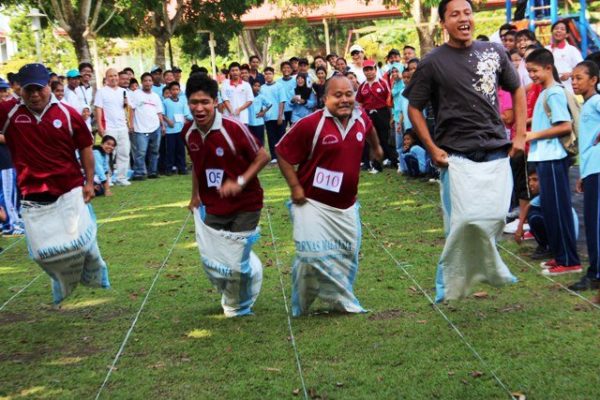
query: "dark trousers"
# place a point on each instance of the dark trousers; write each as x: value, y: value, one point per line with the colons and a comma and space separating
x: 381, y: 121
x: 537, y: 227
x: 273, y: 135
x: 162, y: 155
x: 258, y: 132
x: 241, y: 222
x: 175, y: 150
x: 555, y: 197
x: 591, y: 215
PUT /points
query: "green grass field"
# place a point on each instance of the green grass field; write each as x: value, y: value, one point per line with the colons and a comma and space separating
x: 532, y: 338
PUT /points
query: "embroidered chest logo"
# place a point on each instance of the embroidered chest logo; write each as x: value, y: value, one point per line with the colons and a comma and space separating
x: 330, y: 139
x: 359, y: 136
x: 488, y: 65
x: 219, y: 152
x: 57, y: 123
x: 22, y: 119
x: 194, y: 146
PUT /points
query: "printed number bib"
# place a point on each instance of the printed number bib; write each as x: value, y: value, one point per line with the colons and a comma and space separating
x: 328, y: 180
x: 179, y: 118
x: 214, y: 177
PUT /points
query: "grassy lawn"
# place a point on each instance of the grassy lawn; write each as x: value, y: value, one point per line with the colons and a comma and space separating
x: 532, y: 337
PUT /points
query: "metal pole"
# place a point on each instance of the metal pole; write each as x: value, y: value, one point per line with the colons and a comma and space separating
x: 38, y: 48
x: 327, y: 46
x: 553, y: 10
x: 508, y: 11
x: 213, y: 57
x: 583, y: 28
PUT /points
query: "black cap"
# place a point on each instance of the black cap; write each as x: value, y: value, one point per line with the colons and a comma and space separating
x: 393, y: 52
x: 303, y: 61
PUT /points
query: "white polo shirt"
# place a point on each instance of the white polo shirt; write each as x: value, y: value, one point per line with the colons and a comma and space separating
x: 146, y: 108
x: 237, y: 95
x: 565, y: 60
x: 112, y: 102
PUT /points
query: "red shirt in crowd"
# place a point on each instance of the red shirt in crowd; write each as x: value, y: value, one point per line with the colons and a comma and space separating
x: 43, y: 146
x: 373, y: 96
x: 328, y: 158
x: 225, y: 152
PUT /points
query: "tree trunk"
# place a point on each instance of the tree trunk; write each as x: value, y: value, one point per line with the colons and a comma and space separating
x: 159, y: 50
x: 82, y: 48
x: 426, y: 39
x: 426, y: 20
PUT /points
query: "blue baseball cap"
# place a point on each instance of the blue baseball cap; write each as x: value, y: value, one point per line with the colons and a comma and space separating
x: 73, y: 73
x: 156, y: 68
x: 4, y: 84
x: 33, y: 74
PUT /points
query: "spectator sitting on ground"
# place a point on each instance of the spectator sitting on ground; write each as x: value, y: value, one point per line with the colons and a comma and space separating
x: 102, y: 161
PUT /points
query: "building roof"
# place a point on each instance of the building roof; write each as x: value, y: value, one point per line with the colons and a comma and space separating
x: 341, y: 10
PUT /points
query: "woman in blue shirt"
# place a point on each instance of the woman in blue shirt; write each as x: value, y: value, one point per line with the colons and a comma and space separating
x: 304, y: 100
x: 102, y: 159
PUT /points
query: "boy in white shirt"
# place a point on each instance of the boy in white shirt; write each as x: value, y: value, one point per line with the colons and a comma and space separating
x: 237, y: 95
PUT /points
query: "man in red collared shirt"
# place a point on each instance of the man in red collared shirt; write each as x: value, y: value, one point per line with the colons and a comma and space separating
x: 327, y: 147
x: 226, y: 161
x: 373, y: 95
x: 42, y: 135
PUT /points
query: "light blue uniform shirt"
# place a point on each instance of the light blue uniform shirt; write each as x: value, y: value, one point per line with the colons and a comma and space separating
x: 273, y: 94
x: 302, y: 110
x: 397, y: 97
x: 287, y: 91
x: 258, y: 104
x: 177, y: 111
x: 100, y: 166
x: 158, y: 90
x: 549, y: 149
x: 406, y: 124
x: 589, y: 129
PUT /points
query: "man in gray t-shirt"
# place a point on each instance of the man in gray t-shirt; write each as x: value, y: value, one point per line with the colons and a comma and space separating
x: 461, y: 80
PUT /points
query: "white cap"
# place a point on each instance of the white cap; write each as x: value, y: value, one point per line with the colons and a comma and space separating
x: 355, y: 47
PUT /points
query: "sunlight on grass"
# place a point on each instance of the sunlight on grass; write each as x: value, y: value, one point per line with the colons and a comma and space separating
x: 66, y: 361
x: 9, y: 270
x: 123, y: 218
x: 436, y: 230
x: 25, y: 393
x: 199, y: 334
x: 177, y: 204
x: 192, y: 245
x: 87, y: 303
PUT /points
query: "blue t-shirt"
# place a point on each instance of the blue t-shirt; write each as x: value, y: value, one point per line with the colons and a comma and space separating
x: 273, y: 94
x: 177, y: 111
x: 288, y: 87
x: 589, y: 129
x: 397, y: 99
x: 258, y: 104
x: 158, y: 90
x: 549, y: 149
x: 100, y: 166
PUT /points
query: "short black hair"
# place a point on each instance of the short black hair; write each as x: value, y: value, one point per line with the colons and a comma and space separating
x: 284, y: 63
x: 133, y: 80
x: 594, y: 57
x: 129, y: 69
x: 409, y: 47
x: 253, y: 57
x: 85, y: 65
x: 527, y: 33
x: 315, y: 58
x: 565, y: 22
x: 245, y: 66
x: 200, y: 82
x: 593, y: 70
x: 269, y: 69
x: 507, y: 26
x: 541, y: 57
x: 333, y: 78
x: 320, y: 69
x: 123, y: 73
x: 172, y: 84
x: 145, y: 74
x: 512, y: 32
x: 291, y: 60
x: 12, y: 78
x: 514, y: 51
x: 165, y: 88
x: 483, y: 38
x: 234, y: 65
x: 444, y: 5
x: 330, y: 56
x: 55, y: 84
x: 168, y: 71
x: 413, y: 61
x: 303, y: 61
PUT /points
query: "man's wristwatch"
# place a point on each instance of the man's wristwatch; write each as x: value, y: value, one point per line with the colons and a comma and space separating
x: 241, y: 181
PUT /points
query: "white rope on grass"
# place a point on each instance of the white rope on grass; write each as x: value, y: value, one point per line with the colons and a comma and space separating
x: 13, y: 244
x: 137, y: 315
x: 403, y: 266
x: 537, y: 270
x: 42, y: 273
x: 287, y: 309
x: 14, y: 296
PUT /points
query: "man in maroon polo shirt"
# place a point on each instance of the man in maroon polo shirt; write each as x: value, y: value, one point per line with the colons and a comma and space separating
x: 226, y: 161
x: 327, y: 148
x: 373, y: 95
x: 42, y: 135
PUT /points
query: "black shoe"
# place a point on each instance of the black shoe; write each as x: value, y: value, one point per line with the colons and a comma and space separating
x: 585, y: 283
x: 541, y: 253
x: 168, y: 173
x: 153, y: 176
x: 138, y: 178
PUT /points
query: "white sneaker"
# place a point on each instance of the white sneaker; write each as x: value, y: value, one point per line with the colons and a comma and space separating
x: 122, y: 182
x: 387, y: 163
x: 273, y: 161
x: 512, y: 227
x: 373, y: 171
x: 399, y: 170
x: 514, y: 213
